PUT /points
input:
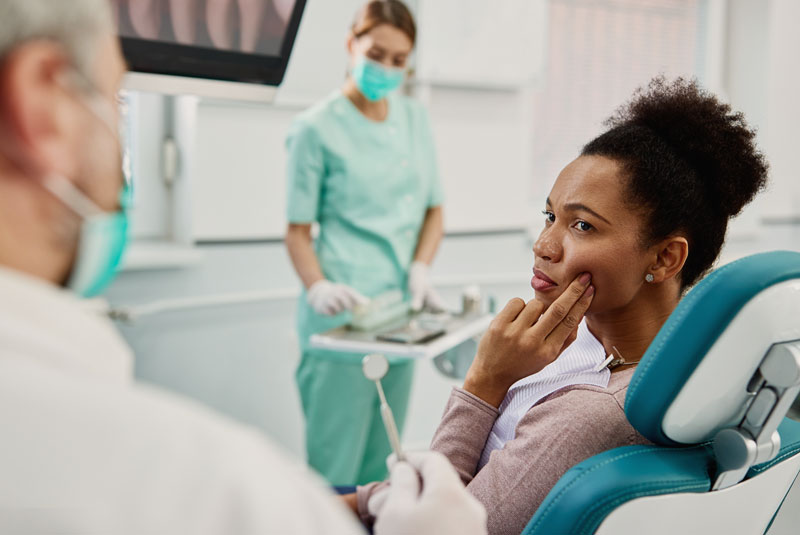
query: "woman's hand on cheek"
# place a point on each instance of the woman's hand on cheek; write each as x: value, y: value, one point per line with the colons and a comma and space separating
x: 524, y: 338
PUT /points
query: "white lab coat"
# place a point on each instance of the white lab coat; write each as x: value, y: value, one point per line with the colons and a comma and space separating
x: 86, y: 450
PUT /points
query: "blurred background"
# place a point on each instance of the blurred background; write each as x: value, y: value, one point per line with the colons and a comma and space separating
x: 514, y: 88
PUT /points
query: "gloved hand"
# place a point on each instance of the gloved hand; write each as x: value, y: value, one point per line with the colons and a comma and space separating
x: 329, y: 298
x: 444, y: 506
x: 421, y: 288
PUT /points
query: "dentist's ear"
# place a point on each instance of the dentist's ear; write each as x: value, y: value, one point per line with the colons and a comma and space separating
x: 37, y: 114
x: 671, y: 254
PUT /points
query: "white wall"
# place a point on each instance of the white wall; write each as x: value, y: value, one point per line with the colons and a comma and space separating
x: 241, y: 359
x: 745, y: 69
x: 239, y: 188
x: 782, y: 83
x: 483, y: 139
x: 763, y: 81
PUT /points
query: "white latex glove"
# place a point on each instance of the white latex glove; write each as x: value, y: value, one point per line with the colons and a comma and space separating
x: 444, y: 507
x: 421, y: 288
x: 329, y: 298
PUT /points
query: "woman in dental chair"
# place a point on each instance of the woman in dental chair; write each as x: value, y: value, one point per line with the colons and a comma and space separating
x: 633, y: 222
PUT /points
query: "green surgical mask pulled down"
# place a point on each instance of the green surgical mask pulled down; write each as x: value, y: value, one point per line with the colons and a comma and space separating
x: 102, y: 242
x: 374, y: 80
x: 104, y: 235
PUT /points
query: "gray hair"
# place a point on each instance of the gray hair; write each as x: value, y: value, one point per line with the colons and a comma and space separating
x: 77, y: 25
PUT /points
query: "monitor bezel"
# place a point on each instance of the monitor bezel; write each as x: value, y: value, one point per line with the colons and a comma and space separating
x: 162, y: 58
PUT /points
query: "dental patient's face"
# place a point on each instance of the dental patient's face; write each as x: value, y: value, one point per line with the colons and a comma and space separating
x: 589, y: 227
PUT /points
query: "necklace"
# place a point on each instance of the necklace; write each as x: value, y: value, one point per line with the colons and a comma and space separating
x: 615, y: 361
x: 620, y: 364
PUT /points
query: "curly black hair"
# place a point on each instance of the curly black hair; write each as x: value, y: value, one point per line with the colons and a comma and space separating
x: 691, y: 164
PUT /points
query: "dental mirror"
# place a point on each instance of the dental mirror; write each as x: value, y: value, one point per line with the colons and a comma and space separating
x: 375, y: 367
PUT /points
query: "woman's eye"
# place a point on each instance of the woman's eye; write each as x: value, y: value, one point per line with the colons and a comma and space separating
x: 549, y: 216
x: 583, y: 226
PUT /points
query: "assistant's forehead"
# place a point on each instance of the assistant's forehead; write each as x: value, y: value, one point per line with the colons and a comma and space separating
x: 391, y: 39
x: 595, y: 181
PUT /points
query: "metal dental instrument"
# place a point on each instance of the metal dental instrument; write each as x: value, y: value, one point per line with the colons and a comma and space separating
x: 375, y: 367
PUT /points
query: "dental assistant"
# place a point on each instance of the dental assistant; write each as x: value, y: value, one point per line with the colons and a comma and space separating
x: 362, y: 165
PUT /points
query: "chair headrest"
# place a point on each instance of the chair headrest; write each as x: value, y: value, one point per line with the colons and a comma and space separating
x: 693, y: 379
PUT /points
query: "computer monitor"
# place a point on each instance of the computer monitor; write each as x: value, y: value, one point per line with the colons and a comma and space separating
x: 190, y: 41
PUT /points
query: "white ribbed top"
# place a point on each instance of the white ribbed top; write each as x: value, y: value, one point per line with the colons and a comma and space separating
x: 575, y: 366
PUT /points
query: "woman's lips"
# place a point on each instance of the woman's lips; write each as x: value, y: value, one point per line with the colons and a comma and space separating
x: 541, y: 282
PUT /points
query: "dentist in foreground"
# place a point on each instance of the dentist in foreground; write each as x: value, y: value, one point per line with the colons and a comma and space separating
x: 86, y: 449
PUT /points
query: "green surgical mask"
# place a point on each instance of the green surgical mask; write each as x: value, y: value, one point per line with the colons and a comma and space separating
x: 102, y: 242
x: 104, y: 235
x: 374, y: 80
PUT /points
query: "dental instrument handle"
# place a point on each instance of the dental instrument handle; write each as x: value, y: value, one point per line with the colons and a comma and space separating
x: 389, y: 424
x: 391, y: 429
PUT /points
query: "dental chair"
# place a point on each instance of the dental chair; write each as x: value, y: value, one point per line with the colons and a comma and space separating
x: 712, y: 393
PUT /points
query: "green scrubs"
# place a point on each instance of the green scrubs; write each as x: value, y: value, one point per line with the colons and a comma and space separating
x: 368, y: 184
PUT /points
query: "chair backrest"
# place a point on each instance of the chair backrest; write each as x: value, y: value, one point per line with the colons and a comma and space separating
x: 711, y: 393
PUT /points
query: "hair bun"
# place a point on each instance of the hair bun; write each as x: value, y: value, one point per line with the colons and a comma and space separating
x: 691, y: 163
x: 714, y: 141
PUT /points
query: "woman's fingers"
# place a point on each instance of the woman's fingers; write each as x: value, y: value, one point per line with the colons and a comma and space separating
x: 510, y: 311
x: 571, y: 320
x: 560, y: 308
x: 531, y: 313
x: 515, y: 346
